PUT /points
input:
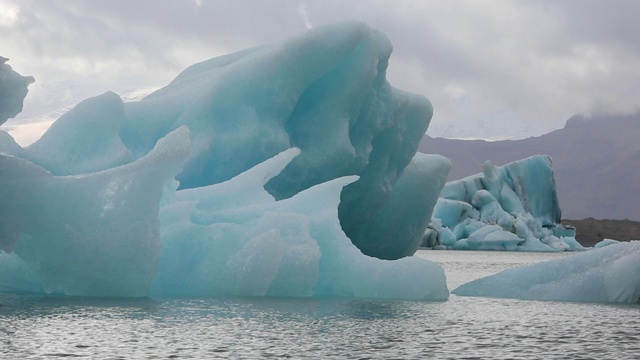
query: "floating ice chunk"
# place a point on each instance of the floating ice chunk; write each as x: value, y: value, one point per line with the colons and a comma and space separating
x: 610, y: 275
x: 530, y: 179
x: 572, y: 243
x: 506, y: 197
x: 605, y: 242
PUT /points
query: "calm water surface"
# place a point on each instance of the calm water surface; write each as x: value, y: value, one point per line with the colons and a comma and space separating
x: 51, y: 327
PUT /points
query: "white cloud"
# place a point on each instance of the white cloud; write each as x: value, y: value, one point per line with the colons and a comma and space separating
x: 9, y: 14
x: 302, y: 10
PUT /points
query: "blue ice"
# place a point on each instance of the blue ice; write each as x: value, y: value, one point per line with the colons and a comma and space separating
x: 324, y: 92
x: 274, y: 171
x: 511, y: 207
x: 606, y: 275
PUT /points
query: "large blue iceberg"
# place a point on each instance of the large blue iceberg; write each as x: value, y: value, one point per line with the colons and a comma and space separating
x: 250, y: 174
x: 324, y: 92
x: 610, y: 274
x: 511, y: 207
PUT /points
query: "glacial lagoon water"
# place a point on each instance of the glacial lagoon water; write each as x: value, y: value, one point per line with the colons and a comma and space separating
x: 236, y: 328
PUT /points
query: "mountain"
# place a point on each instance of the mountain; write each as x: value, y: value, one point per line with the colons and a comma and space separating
x: 596, y: 162
x: 591, y: 231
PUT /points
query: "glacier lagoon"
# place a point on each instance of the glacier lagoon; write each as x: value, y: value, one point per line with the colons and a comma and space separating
x: 241, y: 327
x: 99, y: 189
x: 223, y: 183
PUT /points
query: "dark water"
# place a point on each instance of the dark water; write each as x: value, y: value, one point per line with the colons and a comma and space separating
x: 51, y: 327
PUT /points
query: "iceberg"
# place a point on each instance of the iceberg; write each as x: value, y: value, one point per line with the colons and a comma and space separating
x: 609, y: 274
x: 284, y: 170
x: 126, y: 231
x: 512, y: 207
x: 605, y: 242
x: 324, y: 92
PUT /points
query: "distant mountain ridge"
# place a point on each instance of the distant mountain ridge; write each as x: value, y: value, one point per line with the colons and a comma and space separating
x: 596, y: 162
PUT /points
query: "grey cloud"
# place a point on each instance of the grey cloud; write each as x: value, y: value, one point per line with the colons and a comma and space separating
x: 513, y: 68
x: 593, y: 21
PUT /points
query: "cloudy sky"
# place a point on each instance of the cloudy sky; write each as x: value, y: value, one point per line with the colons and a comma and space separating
x: 492, y: 69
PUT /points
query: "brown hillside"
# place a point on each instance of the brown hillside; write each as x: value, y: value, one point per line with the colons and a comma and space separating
x: 591, y: 231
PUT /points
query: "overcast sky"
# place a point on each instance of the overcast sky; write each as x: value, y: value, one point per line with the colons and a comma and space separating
x: 499, y: 69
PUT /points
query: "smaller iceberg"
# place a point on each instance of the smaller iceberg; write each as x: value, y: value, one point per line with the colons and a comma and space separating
x: 605, y: 242
x: 607, y: 275
x: 512, y: 207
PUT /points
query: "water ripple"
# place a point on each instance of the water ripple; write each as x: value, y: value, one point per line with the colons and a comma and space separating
x: 246, y: 328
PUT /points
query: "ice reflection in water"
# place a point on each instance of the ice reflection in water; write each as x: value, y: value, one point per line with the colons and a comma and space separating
x: 322, y: 328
